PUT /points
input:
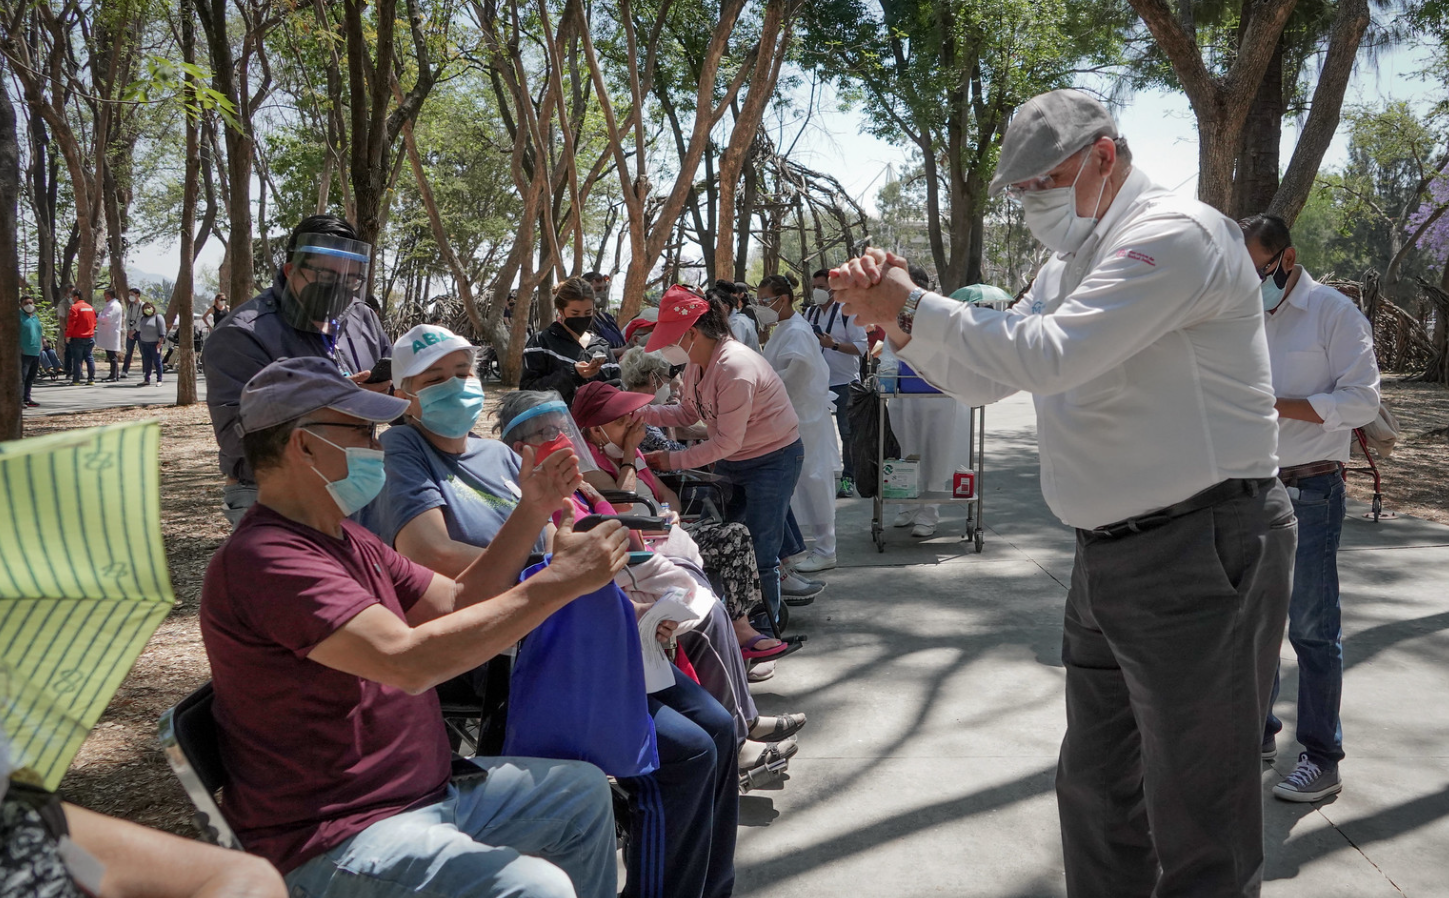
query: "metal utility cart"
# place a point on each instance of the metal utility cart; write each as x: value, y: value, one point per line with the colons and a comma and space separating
x: 909, y: 387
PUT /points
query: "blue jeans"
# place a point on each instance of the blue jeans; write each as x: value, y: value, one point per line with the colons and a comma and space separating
x: 842, y: 424
x: 530, y: 829
x: 685, y: 814
x: 1315, y: 627
x: 130, y: 351
x: 151, y: 360
x: 79, y: 350
x: 760, y: 494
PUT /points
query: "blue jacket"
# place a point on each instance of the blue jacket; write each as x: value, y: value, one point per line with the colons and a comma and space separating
x: 253, y: 336
x: 29, y: 334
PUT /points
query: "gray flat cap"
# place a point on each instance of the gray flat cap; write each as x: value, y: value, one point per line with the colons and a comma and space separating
x: 1046, y: 130
x: 287, y: 389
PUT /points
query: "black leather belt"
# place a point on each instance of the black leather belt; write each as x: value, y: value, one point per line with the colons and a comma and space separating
x: 1290, y: 476
x: 1213, y: 495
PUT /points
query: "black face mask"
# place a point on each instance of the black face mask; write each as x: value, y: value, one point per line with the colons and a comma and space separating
x: 578, y: 325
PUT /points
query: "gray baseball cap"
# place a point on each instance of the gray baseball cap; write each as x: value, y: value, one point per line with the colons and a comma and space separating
x: 1045, y: 131
x: 288, y: 389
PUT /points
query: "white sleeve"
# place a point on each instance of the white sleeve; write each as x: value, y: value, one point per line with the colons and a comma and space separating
x: 1354, y: 399
x: 1155, y: 279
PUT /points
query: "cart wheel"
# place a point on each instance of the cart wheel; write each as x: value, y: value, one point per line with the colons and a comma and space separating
x: 980, y: 540
x: 1378, y: 506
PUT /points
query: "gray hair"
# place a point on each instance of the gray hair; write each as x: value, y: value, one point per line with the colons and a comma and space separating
x: 638, y: 368
x: 516, y: 403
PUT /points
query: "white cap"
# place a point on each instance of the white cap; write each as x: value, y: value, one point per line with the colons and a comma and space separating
x: 416, y: 350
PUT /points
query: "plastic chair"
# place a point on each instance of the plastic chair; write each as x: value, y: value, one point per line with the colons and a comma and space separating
x: 188, y: 737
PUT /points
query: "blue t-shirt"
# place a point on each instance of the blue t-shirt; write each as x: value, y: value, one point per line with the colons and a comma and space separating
x: 477, y: 489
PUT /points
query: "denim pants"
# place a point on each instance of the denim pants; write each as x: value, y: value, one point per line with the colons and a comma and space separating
x: 151, y: 360
x: 130, y: 351
x: 760, y: 493
x: 79, y: 350
x: 1170, y: 639
x: 236, y: 498
x: 842, y: 424
x: 1315, y: 626
x: 684, y: 815
x: 29, y: 368
x: 531, y: 828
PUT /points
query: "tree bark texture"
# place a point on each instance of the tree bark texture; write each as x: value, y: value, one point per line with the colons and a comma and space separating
x: 182, y: 300
x: 11, y: 395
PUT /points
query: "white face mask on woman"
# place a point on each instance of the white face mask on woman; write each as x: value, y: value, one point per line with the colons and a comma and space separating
x: 1051, y: 215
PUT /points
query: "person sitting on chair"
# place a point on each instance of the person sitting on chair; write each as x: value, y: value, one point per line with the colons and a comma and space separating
x: 325, y: 646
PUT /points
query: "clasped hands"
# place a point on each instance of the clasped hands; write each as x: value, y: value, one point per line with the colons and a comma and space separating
x: 873, y: 287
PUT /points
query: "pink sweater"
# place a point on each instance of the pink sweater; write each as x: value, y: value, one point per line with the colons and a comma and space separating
x: 740, y: 400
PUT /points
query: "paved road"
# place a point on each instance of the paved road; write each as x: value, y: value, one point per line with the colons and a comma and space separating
x: 934, y: 686
x: 58, y: 397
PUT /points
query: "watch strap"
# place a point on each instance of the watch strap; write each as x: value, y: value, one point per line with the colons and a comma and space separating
x: 906, y: 318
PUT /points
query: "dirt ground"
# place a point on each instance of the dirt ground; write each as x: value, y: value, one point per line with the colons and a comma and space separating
x: 121, y: 771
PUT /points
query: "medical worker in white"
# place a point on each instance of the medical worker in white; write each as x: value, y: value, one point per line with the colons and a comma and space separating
x: 794, y: 352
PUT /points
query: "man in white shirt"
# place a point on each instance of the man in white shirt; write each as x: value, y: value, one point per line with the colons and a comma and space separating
x: 1142, y: 341
x: 1327, y: 383
x: 741, y: 325
x: 843, y: 341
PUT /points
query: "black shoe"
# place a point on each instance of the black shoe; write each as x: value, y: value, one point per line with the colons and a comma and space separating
x: 31, y: 404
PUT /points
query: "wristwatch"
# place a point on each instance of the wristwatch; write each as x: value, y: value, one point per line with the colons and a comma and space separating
x: 906, y: 318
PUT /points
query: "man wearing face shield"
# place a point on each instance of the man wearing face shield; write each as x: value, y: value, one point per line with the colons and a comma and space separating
x: 314, y: 307
x: 1142, y: 342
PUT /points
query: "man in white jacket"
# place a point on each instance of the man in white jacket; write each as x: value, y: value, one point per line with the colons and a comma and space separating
x: 111, y: 332
x: 1142, y: 342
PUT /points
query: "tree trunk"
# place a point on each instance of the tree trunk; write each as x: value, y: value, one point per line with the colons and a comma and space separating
x: 11, y: 396
x: 1256, y: 181
x: 744, y: 216
x: 181, y: 299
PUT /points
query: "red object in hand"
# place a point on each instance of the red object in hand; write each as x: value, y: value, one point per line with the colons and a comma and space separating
x: 554, y: 445
x: 963, y: 484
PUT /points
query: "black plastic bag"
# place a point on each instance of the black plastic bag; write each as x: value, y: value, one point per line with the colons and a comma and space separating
x: 865, y: 423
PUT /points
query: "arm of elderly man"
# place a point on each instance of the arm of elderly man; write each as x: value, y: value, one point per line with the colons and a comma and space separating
x: 1155, y: 278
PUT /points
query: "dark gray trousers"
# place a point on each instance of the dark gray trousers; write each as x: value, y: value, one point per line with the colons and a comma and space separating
x: 1171, y: 640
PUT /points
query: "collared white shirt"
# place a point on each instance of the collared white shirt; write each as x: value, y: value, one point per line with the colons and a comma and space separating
x: 1145, y: 352
x: 743, y: 327
x: 844, y: 368
x: 1322, y: 350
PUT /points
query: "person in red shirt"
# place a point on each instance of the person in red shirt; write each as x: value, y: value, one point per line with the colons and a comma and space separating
x: 325, y: 646
x: 80, y: 339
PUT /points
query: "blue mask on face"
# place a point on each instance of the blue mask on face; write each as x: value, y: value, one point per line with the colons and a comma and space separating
x: 1272, y: 287
x: 451, y: 408
x: 364, y: 480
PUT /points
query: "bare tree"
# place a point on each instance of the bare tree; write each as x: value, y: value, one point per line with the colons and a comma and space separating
x: 182, y: 300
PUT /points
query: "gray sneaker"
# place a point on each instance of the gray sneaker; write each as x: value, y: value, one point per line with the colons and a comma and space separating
x: 1308, y: 782
x: 1270, y: 747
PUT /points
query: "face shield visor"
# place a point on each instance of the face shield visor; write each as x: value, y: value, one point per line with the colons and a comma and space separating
x: 547, y: 427
x: 327, y: 274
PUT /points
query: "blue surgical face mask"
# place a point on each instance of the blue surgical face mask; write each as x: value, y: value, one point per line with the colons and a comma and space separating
x: 364, y: 480
x: 1272, y: 287
x: 451, y: 408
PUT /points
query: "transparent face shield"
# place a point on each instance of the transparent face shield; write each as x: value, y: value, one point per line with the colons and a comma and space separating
x: 327, y: 273
x: 548, y: 427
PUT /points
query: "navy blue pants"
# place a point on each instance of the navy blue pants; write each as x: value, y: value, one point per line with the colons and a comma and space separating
x: 682, y: 835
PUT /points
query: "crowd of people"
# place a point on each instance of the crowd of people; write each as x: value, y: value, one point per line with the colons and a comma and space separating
x: 115, y: 328
x: 658, y: 494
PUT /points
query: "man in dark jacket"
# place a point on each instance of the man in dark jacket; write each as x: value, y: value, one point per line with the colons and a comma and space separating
x: 567, y: 354
x: 314, y: 307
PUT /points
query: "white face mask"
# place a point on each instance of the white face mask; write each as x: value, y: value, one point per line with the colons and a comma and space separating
x: 821, y: 296
x: 661, y: 396
x: 766, y: 316
x: 613, y: 451
x: 1051, y: 215
x: 28, y: 308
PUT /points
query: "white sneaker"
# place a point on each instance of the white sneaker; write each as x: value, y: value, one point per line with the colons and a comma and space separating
x: 818, y: 561
x: 798, y: 587
x: 904, y: 519
x: 922, y: 531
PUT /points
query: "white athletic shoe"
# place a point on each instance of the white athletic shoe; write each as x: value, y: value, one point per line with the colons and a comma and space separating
x: 922, y: 531
x: 904, y: 519
x: 818, y: 561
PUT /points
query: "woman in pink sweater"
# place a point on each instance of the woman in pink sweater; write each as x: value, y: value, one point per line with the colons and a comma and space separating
x: 754, y: 437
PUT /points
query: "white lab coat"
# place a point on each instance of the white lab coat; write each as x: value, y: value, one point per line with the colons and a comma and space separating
x: 794, y: 353
x: 111, y: 327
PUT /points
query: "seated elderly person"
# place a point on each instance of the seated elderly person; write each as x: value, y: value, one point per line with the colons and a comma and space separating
x: 453, y: 498
x: 651, y: 372
x: 325, y: 646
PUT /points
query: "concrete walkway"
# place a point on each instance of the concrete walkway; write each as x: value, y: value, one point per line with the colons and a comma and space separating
x: 933, y: 681
x: 58, y: 397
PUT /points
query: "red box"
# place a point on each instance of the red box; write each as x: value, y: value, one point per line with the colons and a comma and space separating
x: 963, y: 484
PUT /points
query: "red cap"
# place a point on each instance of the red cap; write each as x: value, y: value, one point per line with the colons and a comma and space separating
x: 679, y: 309
x: 599, y: 403
x: 638, y: 324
